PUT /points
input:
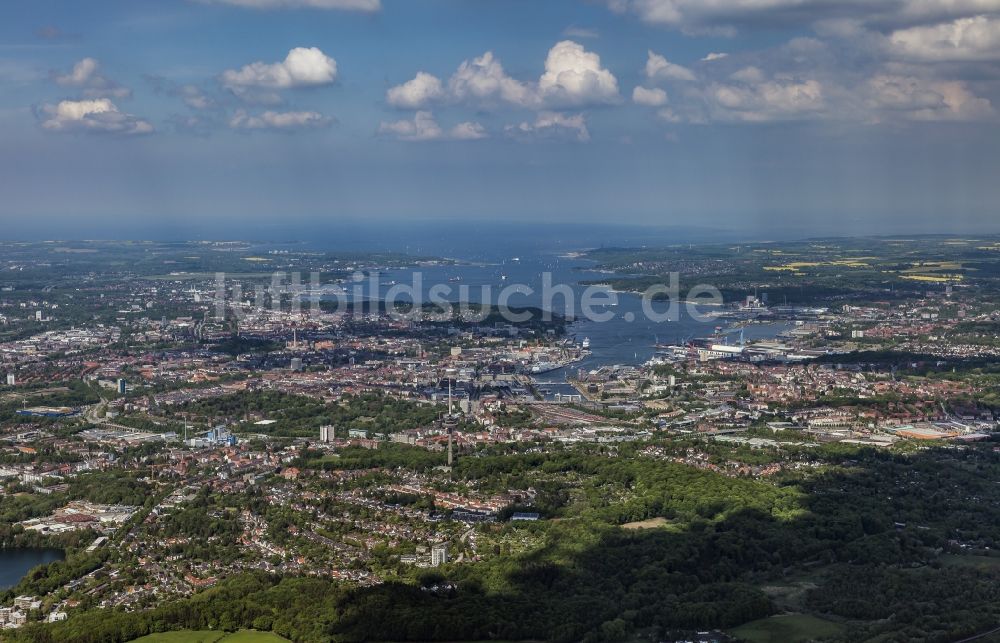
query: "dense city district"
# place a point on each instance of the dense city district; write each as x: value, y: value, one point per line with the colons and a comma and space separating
x: 200, y: 437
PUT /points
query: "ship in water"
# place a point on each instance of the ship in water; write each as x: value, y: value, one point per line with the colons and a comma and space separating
x: 585, y: 344
x: 751, y: 308
x: 663, y: 346
x: 545, y: 367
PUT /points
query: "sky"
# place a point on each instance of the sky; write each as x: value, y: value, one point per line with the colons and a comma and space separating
x: 756, y: 117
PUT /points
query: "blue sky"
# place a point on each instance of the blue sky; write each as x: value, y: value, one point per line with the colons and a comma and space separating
x: 758, y: 115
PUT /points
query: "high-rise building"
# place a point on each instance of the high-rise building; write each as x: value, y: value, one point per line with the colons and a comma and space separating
x: 439, y: 554
x: 122, y: 386
x: 326, y: 433
x: 296, y: 364
x: 11, y: 379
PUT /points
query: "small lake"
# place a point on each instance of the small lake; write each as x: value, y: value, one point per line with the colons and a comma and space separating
x: 15, y: 563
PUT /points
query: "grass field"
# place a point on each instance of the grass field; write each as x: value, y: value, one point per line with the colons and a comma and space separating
x: 250, y: 636
x: 651, y: 523
x: 208, y: 636
x: 786, y: 628
x: 183, y: 636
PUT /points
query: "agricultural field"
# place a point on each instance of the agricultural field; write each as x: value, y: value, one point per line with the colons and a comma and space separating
x: 812, y: 271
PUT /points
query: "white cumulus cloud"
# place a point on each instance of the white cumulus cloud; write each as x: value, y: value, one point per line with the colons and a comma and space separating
x: 866, y: 62
x: 748, y: 75
x: 423, y: 127
x: 723, y: 16
x: 302, y: 67
x: 278, y: 120
x: 423, y: 89
x: 551, y: 125
x: 92, y: 115
x: 468, y: 131
x: 82, y: 73
x: 659, y: 68
x: 573, y: 76
x: 965, y: 39
x: 652, y: 97
x: 928, y: 100
x: 483, y: 80
x: 757, y: 99
x: 86, y: 75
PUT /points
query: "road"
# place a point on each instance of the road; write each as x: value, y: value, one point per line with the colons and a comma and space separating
x: 462, y: 539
